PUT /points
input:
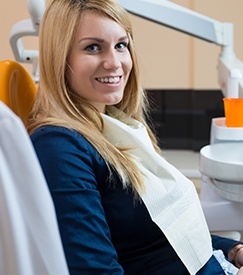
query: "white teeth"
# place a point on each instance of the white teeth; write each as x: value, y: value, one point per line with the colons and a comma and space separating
x: 109, y: 79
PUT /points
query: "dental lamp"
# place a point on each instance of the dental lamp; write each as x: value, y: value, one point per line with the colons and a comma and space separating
x: 194, y: 24
x: 28, y: 27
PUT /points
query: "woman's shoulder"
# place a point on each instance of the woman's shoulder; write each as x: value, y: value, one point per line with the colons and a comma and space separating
x: 65, y: 154
x: 58, y: 135
x: 51, y: 130
x: 58, y: 140
x: 55, y: 143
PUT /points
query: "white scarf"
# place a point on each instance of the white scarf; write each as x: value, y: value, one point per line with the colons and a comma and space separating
x: 170, y: 197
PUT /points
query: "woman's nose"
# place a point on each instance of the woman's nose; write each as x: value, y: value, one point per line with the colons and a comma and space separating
x: 112, y: 60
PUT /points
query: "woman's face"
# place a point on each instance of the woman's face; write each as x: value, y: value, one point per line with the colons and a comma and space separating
x: 99, y: 61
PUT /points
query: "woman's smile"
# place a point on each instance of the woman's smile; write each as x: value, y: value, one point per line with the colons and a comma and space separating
x: 109, y: 79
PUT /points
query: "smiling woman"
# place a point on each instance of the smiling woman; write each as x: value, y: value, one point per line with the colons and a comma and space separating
x: 99, y: 61
x: 121, y: 208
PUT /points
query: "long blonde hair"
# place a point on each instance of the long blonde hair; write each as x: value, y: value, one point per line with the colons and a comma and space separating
x: 56, y: 104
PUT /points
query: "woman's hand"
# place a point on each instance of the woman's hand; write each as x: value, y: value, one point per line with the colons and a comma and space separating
x: 236, y: 256
x: 239, y: 257
x: 240, y: 272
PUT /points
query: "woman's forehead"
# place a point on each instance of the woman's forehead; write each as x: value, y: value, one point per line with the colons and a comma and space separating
x: 95, y: 23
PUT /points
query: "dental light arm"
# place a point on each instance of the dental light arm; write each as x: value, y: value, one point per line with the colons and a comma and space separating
x: 36, y: 9
x: 185, y: 20
x: 28, y: 27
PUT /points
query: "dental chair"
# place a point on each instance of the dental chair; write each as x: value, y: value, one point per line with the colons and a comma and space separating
x: 30, y: 242
x: 17, y: 88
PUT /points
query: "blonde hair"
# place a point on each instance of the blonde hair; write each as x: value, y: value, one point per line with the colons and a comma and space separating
x: 56, y: 104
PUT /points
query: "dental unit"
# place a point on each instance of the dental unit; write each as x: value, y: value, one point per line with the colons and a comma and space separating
x: 221, y: 162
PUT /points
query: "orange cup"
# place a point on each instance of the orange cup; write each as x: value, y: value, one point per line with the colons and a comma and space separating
x: 233, y: 110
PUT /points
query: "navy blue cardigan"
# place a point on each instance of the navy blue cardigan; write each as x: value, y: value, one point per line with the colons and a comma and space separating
x: 103, y: 229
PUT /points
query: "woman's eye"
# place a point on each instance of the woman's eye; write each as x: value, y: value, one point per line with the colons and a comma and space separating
x: 122, y: 46
x: 92, y: 48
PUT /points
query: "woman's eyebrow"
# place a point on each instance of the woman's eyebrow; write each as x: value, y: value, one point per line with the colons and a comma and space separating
x: 93, y: 38
x: 123, y: 38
